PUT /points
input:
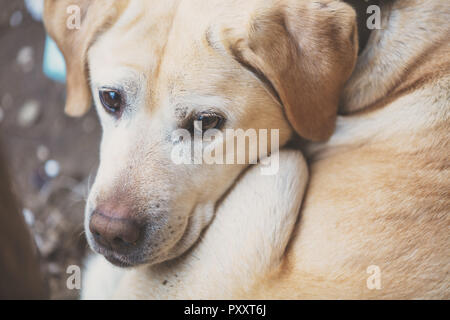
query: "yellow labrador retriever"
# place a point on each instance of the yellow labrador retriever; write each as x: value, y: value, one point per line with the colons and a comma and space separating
x: 378, y: 194
x: 157, y: 66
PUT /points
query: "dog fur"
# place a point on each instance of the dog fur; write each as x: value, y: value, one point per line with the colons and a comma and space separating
x: 378, y: 190
x: 171, y: 68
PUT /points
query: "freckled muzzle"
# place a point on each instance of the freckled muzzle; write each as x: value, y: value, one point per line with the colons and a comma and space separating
x: 129, y: 235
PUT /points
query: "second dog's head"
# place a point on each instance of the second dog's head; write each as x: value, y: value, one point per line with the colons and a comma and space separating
x: 153, y: 67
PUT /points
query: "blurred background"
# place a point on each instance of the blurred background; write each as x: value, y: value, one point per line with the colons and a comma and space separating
x: 52, y: 158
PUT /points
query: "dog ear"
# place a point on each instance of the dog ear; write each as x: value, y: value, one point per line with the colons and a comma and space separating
x: 304, y: 51
x: 74, y: 25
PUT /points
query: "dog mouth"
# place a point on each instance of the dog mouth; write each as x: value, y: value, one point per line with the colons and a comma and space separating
x: 140, y: 256
x: 144, y: 253
x: 117, y: 259
x: 119, y: 262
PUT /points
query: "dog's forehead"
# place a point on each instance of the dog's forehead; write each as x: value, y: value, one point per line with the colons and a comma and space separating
x: 137, y: 38
x: 162, y: 40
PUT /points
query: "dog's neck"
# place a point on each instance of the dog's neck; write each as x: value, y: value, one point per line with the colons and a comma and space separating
x: 412, y: 33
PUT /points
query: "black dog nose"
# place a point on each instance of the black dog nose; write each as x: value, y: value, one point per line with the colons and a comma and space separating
x: 118, y: 234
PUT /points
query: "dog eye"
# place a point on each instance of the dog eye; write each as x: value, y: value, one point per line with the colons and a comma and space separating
x: 205, y: 121
x: 112, y: 101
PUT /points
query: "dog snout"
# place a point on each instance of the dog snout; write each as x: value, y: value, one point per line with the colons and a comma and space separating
x: 118, y: 233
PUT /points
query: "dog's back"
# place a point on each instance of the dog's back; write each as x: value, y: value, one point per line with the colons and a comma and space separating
x: 378, y: 202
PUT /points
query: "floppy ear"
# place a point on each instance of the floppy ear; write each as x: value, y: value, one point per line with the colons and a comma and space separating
x: 304, y: 51
x: 60, y: 18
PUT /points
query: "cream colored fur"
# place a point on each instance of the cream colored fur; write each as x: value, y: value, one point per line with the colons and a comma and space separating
x: 378, y: 192
x: 245, y: 243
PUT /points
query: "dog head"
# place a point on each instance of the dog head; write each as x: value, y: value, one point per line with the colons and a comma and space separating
x: 154, y: 67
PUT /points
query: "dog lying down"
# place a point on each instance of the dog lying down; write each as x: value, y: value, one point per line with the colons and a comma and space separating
x: 155, y: 67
